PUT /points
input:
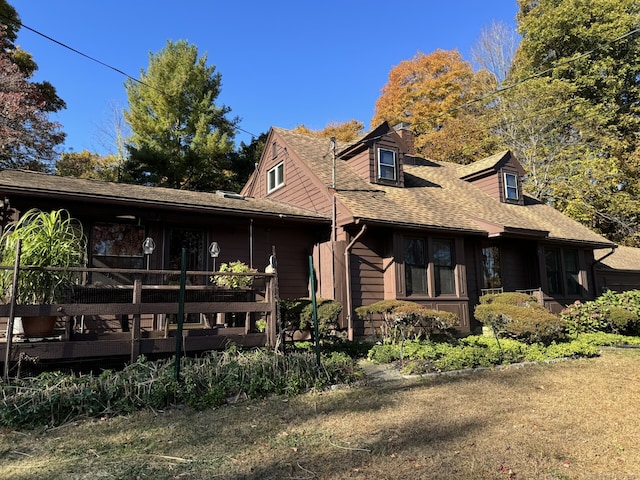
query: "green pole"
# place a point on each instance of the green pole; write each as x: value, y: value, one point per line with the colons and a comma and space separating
x: 312, y: 281
x: 180, y: 319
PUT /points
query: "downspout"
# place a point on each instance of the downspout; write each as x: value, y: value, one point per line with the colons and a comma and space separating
x: 251, y: 243
x: 593, y: 267
x: 347, y: 270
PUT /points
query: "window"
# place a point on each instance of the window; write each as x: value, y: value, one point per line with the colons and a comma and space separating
x: 444, y: 267
x: 511, y: 186
x: 563, y: 271
x: 415, y: 266
x: 386, y: 165
x: 419, y: 255
x: 491, y: 268
x: 275, y: 177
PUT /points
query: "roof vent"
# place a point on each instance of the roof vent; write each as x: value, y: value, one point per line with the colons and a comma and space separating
x: 226, y: 194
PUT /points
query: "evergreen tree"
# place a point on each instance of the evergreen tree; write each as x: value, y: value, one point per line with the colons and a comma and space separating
x: 180, y: 137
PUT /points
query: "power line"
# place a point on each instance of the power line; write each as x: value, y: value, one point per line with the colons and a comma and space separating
x: 100, y: 62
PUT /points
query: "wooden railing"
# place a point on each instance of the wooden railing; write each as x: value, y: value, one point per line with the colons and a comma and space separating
x: 143, y: 312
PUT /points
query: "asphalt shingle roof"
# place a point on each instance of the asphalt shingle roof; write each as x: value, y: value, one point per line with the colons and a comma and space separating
x: 435, y: 197
x: 23, y: 181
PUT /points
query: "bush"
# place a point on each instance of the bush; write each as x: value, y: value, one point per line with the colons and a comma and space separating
x: 621, y: 320
x: 509, y: 298
x: 402, y: 320
x: 297, y: 315
x: 54, y: 398
x: 611, y: 312
x: 519, y: 316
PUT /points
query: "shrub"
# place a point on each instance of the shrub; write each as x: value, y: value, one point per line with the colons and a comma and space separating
x: 402, y: 320
x: 621, y: 320
x: 509, y: 298
x: 531, y: 323
x: 611, y: 312
x: 54, y: 398
x: 297, y: 315
x: 583, y: 317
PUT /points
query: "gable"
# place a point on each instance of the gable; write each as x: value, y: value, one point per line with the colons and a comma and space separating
x: 499, y: 176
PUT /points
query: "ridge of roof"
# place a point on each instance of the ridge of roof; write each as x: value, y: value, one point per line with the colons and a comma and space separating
x: 486, y: 163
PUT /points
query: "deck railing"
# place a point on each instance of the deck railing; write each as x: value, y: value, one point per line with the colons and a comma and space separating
x: 140, y: 307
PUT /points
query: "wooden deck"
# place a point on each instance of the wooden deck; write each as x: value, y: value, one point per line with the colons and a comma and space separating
x: 140, y: 319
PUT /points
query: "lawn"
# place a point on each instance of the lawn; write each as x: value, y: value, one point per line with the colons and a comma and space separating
x: 574, y: 419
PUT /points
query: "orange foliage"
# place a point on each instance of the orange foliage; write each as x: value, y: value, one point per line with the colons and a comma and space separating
x: 343, y: 132
x: 437, y: 94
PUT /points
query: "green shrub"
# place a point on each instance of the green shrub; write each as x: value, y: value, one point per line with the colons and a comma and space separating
x: 621, y: 320
x: 585, y: 317
x: 509, y: 298
x: 297, y: 315
x: 532, y: 323
x: 402, y: 320
x: 55, y: 398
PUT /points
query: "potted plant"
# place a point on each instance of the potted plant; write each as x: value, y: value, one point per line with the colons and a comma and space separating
x: 49, y: 239
x: 234, y: 281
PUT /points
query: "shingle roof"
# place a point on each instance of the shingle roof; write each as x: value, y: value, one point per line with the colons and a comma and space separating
x: 434, y: 197
x: 33, y: 183
x: 623, y: 258
x: 480, y: 165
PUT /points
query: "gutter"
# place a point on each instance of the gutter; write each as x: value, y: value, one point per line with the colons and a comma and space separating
x: 347, y: 270
x: 596, y: 262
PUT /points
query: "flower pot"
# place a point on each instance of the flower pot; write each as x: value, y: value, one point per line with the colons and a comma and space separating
x: 41, y: 326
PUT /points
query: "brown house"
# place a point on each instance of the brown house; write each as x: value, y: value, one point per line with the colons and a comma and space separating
x: 406, y: 227
x: 126, y: 300
x: 117, y: 217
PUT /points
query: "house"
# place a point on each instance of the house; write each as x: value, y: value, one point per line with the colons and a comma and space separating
x: 411, y: 228
x: 125, y: 311
x: 617, y: 269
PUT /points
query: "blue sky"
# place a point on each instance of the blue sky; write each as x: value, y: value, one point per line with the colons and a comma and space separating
x: 283, y: 63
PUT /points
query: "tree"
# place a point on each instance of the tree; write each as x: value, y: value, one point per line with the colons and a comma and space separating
x: 343, y: 132
x: 438, y: 94
x: 495, y: 50
x: 590, y: 53
x: 245, y: 159
x: 88, y: 165
x: 28, y: 139
x: 180, y: 137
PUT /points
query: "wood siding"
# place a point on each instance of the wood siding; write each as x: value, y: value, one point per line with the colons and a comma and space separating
x: 301, y: 188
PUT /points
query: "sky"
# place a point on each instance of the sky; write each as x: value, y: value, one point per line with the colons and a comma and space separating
x: 283, y: 63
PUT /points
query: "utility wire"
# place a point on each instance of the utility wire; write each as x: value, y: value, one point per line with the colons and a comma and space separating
x: 100, y: 62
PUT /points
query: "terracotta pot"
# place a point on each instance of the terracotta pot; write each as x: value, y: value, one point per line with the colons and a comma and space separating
x: 41, y: 326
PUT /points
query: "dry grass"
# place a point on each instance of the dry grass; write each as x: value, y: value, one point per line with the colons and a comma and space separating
x: 569, y: 420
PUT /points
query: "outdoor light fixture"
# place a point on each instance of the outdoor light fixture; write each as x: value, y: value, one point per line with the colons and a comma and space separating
x: 148, y: 246
x: 214, y: 251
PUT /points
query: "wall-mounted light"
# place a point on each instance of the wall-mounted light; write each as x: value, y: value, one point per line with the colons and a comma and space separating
x: 148, y: 246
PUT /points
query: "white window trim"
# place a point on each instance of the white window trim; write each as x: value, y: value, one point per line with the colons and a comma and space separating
x: 279, y: 177
x: 507, y: 187
x: 395, y: 165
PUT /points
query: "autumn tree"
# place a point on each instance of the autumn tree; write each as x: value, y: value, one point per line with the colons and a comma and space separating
x: 343, y: 132
x: 576, y: 84
x: 439, y: 95
x: 28, y: 138
x: 86, y: 164
x: 180, y: 137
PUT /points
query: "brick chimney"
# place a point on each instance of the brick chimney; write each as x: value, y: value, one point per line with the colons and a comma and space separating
x: 404, y: 130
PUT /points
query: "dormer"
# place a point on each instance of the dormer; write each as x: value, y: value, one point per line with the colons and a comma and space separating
x: 379, y: 156
x: 499, y: 176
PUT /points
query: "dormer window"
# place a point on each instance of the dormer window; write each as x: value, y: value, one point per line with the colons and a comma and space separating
x: 275, y: 177
x: 511, y: 186
x: 387, y: 165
